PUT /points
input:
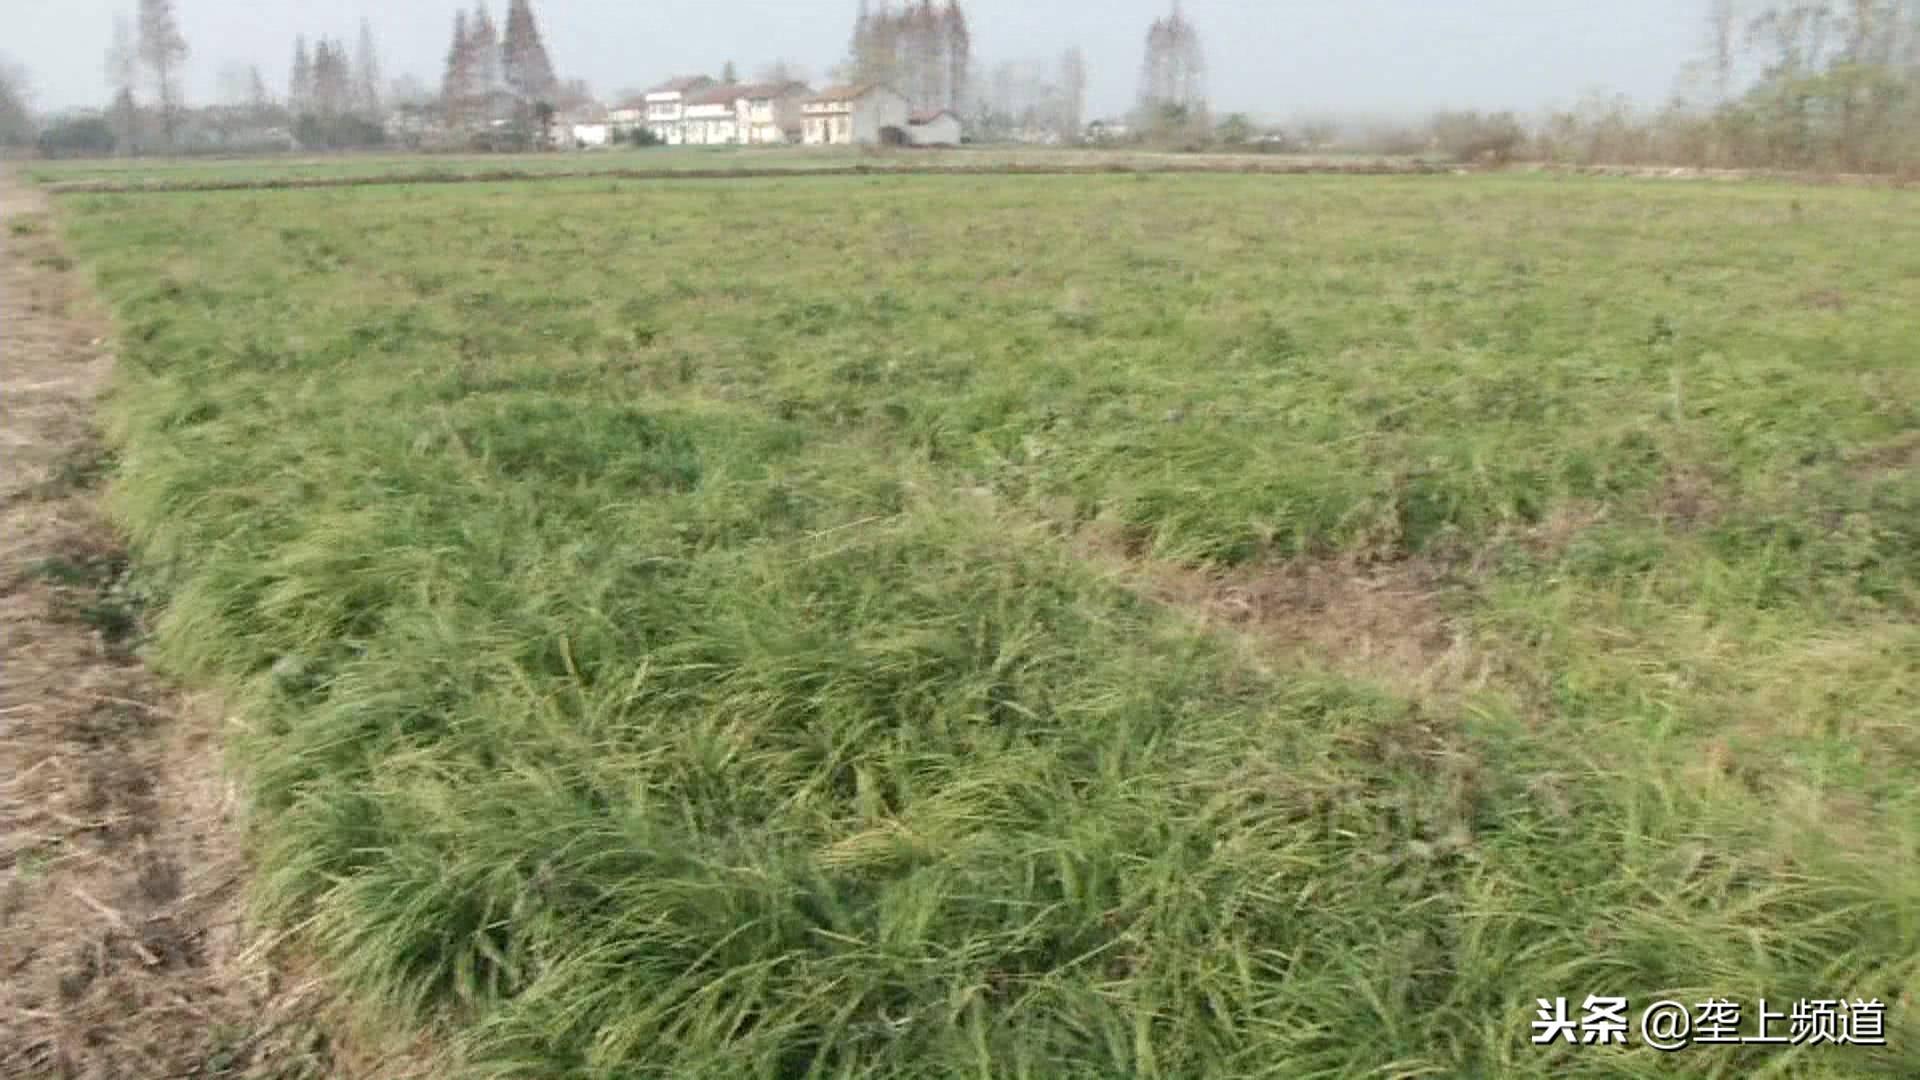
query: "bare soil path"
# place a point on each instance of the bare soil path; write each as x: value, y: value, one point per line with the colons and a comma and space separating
x: 122, y: 947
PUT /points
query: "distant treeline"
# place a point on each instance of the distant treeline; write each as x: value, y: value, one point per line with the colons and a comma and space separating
x: 1807, y: 85
x: 1822, y: 85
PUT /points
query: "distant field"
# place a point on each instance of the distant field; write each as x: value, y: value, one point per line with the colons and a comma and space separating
x: 1051, y: 627
x: 291, y: 167
x: 326, y: 165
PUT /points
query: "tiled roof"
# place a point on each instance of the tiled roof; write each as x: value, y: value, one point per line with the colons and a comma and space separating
x: 718, y: 95
x: 845, y: 93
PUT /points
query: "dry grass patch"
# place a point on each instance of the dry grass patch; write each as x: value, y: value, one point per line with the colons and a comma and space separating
x: 1893, y: 456
x: 1390, y: 622
x: 1687, y: 498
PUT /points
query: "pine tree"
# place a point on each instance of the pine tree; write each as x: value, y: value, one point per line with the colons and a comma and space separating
x: 456, y: 86
x: 527, y: 68
x: 484, y: 57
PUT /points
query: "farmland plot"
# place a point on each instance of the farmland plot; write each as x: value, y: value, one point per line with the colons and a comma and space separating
x: 1162, y: 626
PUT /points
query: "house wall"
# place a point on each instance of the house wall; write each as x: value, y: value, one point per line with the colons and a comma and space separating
x: 944, y: 131
x: 768, y: 120
x: 711, y: 125
x: 829, y: 126
x: 840, y: 123
x: 878, y: 109
x: 666, y: 115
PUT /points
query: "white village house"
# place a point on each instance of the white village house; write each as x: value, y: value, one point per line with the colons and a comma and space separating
x: 586, y: 127
x: 627, y: 117
x: 695, y: 111
x: 667, y: 107
x: 854, y: 115
x: 934, y: 127
x: 710, y: 118
x: 770, y: 112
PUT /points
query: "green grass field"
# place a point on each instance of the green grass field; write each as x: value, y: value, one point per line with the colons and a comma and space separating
x: 292, y: 166
x: 404, y: 166
x: 1049, y: 627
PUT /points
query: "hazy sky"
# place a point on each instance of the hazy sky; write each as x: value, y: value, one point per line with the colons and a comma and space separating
x: 1277, y: 57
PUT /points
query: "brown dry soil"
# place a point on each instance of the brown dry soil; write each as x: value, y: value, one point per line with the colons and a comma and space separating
x: 123, y: 947
x: 1388, y: 622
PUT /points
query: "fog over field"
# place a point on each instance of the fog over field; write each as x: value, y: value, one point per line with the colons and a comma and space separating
x: 1364, y: 56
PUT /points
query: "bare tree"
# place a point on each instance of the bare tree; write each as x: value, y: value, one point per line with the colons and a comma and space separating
x: 164, y: 51
x: 409, y: 92
x: 242, y: 97
x: 859, y: 46
x: 1173, y: 79
x: 300, y: 79
x: 259, y: 98
x: 925, y: 45
x: 923, y: 51
x: 781, y: 72
x: 17, y: 126
x: 123, y: 58
x: 1023, y: 99
x: 1910, y: 54
x: 1073, y: 86
x: 232, y: 84
x: 366, y: 76
x: 332, y: 81
x: 572, y: 94
x: 869, y: 55
x: 1791, y: 83
x: 123, y: 74
x: 959, y: 56
x: 1723, y: 43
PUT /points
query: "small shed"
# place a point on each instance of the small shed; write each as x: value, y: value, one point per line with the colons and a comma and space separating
x: 937, y: 127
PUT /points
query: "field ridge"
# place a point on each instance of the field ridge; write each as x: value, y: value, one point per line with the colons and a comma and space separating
x: 486, y: 176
